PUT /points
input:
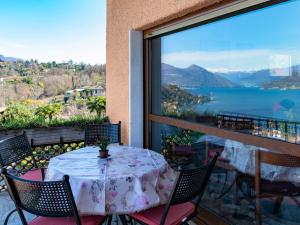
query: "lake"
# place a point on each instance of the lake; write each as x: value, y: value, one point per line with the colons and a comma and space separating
x: 275, y: 103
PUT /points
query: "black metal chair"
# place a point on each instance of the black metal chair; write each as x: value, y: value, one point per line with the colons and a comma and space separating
x: 190, y: 185
x: 51, y: 201
x: 13, y: 150
x: 94, y: 132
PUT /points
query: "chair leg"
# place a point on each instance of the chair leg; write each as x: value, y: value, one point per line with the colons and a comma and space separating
x: 123, y: 219
x: 277, y: 204
x: 109, y: 220
x: 257, y: 211
x: 8, y: 216
x: 129, y: 220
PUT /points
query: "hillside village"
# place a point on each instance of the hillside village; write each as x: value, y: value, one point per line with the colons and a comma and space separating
x: 29, y: 79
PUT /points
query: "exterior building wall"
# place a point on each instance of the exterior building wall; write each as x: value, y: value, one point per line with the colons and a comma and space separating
x: 122, y: 16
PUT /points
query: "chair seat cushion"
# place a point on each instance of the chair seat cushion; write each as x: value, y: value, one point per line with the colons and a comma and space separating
x: 85, y: 220
x: 175, y: 215
x: 34, y: 174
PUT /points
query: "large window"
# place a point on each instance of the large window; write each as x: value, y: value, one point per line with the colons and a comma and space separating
x: 240, y: 73
x: 231, y: 85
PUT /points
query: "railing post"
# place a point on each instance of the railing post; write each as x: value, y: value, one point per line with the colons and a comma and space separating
x: 286, y: 131
x: 295, y: 129
x: 119, y: 132
x: 61, y: 143
x: 61, y: 140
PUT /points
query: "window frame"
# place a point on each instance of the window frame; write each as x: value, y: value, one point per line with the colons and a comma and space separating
x: 220, y: 11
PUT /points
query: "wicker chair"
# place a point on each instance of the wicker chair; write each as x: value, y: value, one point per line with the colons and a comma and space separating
x: 265, y: 189
x: 51, y: 201
x: 94, y: 132
x: 190, y: 185
x: 13, y: 150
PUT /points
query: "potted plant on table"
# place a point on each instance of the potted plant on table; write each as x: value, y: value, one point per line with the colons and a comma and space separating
x: 103, y: 151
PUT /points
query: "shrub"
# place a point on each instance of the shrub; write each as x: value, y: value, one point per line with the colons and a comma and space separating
x: 97, y: 104
x: 77, y: 121
x: 182, y: 137
x: 18, y: 116
x: 49, y: 111
x: 16, y: 112
x: 27, y: 80
x: 38, y: 122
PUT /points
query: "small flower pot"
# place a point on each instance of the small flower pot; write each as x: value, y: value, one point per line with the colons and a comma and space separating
x: 103, y: 154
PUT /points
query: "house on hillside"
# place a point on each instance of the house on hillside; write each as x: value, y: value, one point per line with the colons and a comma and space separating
x: 84, y: 93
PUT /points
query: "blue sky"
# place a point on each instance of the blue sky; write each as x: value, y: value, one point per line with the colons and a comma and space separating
x: 54, y: 30
x: 265, y: 38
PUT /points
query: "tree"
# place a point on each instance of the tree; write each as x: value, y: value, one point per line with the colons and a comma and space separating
x: 49, y: 111
x: 97, y: 104
x: 177, y: 100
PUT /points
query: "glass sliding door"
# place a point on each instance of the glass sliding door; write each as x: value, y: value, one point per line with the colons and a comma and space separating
x: 231, y: 86
x: 233, y: 72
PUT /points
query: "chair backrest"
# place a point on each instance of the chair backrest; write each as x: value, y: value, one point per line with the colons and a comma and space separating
x: 190, y: 185
x: 14, y: 149
x: 48, y: 199
x: 94, y: 132
x: 270, y: 158
x: 277, y: 159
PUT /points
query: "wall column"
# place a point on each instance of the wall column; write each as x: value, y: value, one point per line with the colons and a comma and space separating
x: 136, y: 88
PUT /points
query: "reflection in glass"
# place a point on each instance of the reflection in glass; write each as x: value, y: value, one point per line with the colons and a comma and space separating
x: 231, y: 192
x: 240, y: 73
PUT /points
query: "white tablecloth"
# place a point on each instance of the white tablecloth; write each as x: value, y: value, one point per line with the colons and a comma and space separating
x: 133, y: 179
x: 242, y: 157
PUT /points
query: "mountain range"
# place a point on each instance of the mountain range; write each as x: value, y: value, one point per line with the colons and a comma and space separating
x: 193, y: 76
x: 197, y: 76
x: 9, y: 59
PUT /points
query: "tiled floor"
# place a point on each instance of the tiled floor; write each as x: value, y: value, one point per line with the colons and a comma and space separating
x: 6, y: 206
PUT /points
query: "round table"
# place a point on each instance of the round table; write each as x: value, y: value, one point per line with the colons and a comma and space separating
x: 131, y: 180
x: 242, y: 157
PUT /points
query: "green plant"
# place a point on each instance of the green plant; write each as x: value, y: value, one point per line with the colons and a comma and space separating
x: 97, y: 104
x: 182, y: 137
x: 27, y: 80
x: 103, y: 143
x: 49, y: 111
x: 177, y: 101
x: 77, y: 121
x: 22, y: 123
x: 35, y: 121
x: 17, y: 112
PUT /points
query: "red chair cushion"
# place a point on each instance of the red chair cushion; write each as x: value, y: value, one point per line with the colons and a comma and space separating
x: 34, y: 174
x: 175, y: 215
x: 212, y: 153
x: 85, y: 220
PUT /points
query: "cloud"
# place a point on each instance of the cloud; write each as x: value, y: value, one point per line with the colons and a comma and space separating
x: 236, y: 60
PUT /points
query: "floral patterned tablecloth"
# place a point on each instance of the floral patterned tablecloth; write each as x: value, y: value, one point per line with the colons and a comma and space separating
x: 133, y: 179
x: 242, y: 157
